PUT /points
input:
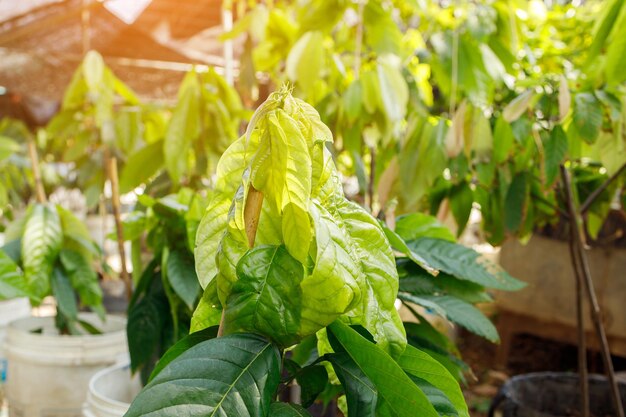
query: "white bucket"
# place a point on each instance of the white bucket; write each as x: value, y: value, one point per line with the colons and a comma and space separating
x: 48, y: 373
x: 111, y: 391
x: 10, y: 310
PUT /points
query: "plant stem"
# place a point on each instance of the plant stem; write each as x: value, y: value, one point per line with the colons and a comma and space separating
x: 34, y: 160
x: 115, y: 199
x: 596, y: 193
x: 580, y: 320
x: 595, y: 307
x: 251, y: 215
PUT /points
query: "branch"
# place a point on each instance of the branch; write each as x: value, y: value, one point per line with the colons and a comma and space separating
x: 251, y: 215
x: 34, y: 160
x: 594, y: 195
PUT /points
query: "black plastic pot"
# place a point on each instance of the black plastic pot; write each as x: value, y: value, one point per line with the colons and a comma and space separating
x: 551, y: 394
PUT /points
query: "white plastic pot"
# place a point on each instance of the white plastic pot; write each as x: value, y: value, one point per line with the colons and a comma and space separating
x: 50, y: 373
x: 111, y: 391
x: 10, y: 310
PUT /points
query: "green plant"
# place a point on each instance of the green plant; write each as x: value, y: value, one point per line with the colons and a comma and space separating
x: 167, y: 288
x: 49, y: 252
x: 289, y: 265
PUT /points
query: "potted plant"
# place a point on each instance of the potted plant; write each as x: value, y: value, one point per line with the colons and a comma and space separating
x: 165, y: 295
x: 49, y: 253
x: 267, y: 254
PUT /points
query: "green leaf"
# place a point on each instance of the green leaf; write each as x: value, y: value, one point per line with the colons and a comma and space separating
x: 209, y: 310
x: 184, y: 127
x: 615, y: 57
x: 312, y: 381
x: 437, y: 398
x: 396, y: 391
x: 235, y: 375
x: 463, y: 263
x: 82, y: 277
x: 417, y: 225
x: 287, y: 410
x: 461, y: 200
x: 555, y: 150
x: 587, y: 116
x: 64, y: 295
x: 8, y: 147
x: 268, y: 282
x: 394, y: 92
x: 457, y: 311
x: 141, y: 166
x: 421, y: 365
x: 361, y: 394
x: 143, y: 330
x: 515, y: 202
x: 40, y: 246
x: 181, y: 347
x: 399, y: 244
x: 182, y: 276
x: 305, y: 61
x: 503, y: 140
x: 352, y: 100
x: 12, y: 283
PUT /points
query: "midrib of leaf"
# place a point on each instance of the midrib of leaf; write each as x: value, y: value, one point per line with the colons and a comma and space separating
x: 243, y: 371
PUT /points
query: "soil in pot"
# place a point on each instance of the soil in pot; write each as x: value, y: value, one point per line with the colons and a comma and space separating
x: 49, y: 373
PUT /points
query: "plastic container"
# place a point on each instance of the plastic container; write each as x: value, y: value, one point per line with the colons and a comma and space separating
x: 10, y: 310
x: 551, y: 394
x: 111, y: 391
x: 49, y: 373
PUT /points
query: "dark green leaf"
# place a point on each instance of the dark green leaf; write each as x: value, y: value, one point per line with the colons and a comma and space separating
x: 312, y: 381
x: 40, y: 246
x: 361, y: 394
x: 235, y: 375
x: 515, y: 202
x: 181, y: 274
x: 437, y: 398
x: 12, y: 282
x: 181, y: 347
x: 400, y: 245
x: 82, y: 276
x: 143, y: 330
x: 502, y: 141
x: 287, y: 410
x: 463, y: 263
x: 266, y: 297
x: 461, y: 200
x: 401, y: 397
x: 587, y: 116
x: 64, y: 294
x: 555, y: 150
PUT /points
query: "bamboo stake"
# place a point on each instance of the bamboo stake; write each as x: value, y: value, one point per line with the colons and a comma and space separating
x: 115, y: 199
x: 251, y: 216
x: 40, y: 193
x: 596, y: 314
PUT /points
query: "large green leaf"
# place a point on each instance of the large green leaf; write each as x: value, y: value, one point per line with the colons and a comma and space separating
x: 181, y: 347
x: 587, y: 116
x: 182, y: 277
x: 209, y: 310
x: 141, y: 165
x: 463, y: 263
x: 615, y: 57
x: 82, y: 277
x: 64, y: 295
x: 400, y: 245
x: 184, y: 127
x: 398, y: 395
x: 420, y: 364
x: 12, y: 282
x: 361, y: 394
x: 394, y: 92
x: 235, y: 375
x: 502, y: 140
x: 40, y: 246
x: 287, y: 410
x: 515, y: 202
x: 555, y: 150
x: 457, y: 311
x: 461, y: 200
x: 8, y: 147
x: 312, y: 381
x: 306, y: 60
x: 145, y: 321
x: 267, y: 297
x: 416, y: 225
